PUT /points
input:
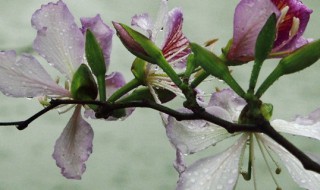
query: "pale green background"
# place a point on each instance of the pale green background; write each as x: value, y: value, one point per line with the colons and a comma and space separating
x: 133, y: 154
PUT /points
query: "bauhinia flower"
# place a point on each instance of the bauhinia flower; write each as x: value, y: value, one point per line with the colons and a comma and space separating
x: 222, y: 170
x: 251, y: 15
x: 61, y: 43
x: 174, y: 47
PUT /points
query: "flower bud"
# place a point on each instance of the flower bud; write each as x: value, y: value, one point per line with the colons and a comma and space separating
x: 301, y: 59
x: 297, y: 61
x: 138, y: 44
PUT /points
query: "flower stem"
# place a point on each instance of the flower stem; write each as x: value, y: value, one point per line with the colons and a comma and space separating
x: 124, y: 89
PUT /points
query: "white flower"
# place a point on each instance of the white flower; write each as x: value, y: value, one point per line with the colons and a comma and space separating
x: 222, y: 170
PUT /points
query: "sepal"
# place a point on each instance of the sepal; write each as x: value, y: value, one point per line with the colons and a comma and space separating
x: 83, y: 86
x: 95, y: 58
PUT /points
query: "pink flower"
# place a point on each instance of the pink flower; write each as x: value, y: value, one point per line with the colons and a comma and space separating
x: 251, y: 15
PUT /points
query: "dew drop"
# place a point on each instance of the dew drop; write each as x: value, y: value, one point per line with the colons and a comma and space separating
x: 193, y: 180
x: 230, y: 181
x: 303, y: 181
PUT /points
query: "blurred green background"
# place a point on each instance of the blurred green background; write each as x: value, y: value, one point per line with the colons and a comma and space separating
x: 135, y: 153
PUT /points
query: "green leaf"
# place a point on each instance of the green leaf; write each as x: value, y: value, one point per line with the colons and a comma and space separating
x: 83, y: 86
x: 297, y: 61
x: 213, y: 65
x: 95, y: 58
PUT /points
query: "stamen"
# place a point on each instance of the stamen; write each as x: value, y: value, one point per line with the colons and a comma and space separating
x: 295, y: 26
x: 278, y: 169
x: 247, y: 175
x: 155, y: 96
x: 266, y: 161
x: 253, y: 163
x: 283, y: 14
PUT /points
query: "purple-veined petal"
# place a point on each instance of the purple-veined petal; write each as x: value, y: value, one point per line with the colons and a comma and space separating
x: 228, y: 100
x: 74, y: 146
x: 217, y: 172
x: 143, y: 21
x: 58, y: 40
x: 249, y: 18
x: 26, y: 77
x: 296, y: 10
x: 192, y: 136
x: 162, y: 17
x: 304, y: 178
x: 102, y: 32
x: 175, y: 46
x: 307, y: 126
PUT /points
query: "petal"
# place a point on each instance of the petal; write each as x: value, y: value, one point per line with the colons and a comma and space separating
x: 228, y: 100
x: 249, y: 18
x: 297, y: 10
x: 143, y: 21
x: 161, y: 19
x: 58, y: 40
x: 192, y: 136
x: 102, y: 32
x: 294, y: 45
x: 26, y: 77
x: 307, y: 126
x: 217, y: 172
x: 176, y: 44
x: 74, y: 146
x: 113, y: 82
x: 304, y: 178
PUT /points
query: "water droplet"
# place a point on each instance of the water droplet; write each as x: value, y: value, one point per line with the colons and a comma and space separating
x: 303, y: 181
x: 193, y: 180
x: 230, y: 181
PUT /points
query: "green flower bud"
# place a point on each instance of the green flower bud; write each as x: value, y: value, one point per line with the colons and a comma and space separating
x: 297, y: 61
x: 138, y: 44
